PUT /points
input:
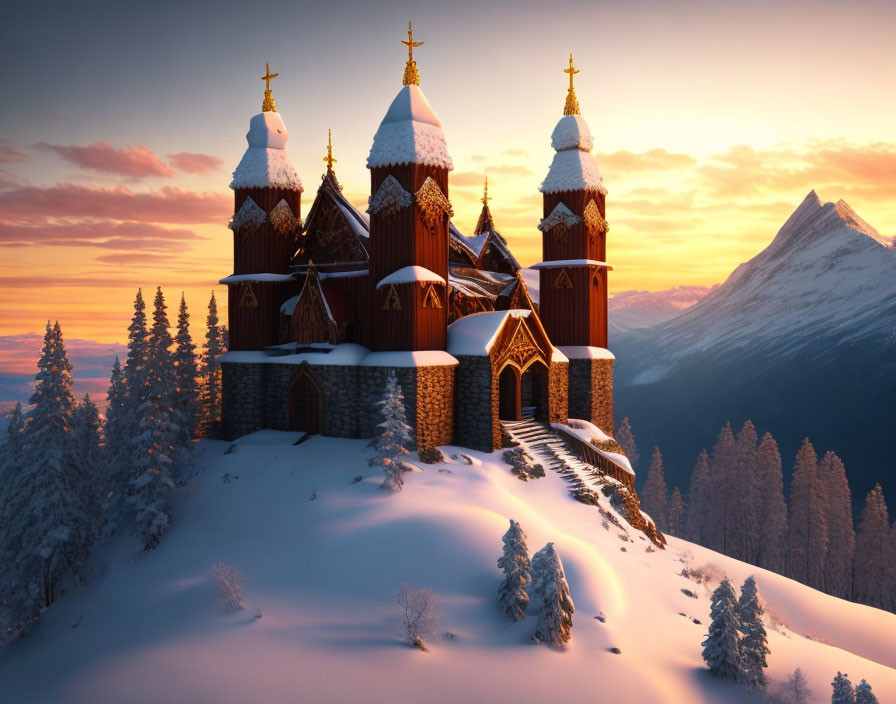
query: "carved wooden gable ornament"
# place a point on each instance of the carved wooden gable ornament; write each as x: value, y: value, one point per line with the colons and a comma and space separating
x: 433, y: 205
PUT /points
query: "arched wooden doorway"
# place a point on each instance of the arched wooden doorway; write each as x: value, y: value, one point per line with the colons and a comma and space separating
x: 534, y: 392
x: 305, y: 402
x: 509, y: 393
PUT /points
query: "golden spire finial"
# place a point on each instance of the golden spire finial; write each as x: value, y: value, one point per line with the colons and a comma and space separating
x: 268, y: 105
x: 411, y: 75
x: 572, y: 104
x: 485, y: 198
x: 328, y: 159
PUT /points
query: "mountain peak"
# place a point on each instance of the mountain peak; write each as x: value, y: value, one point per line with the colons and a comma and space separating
x: 852, y: 220
x: 813, y: 218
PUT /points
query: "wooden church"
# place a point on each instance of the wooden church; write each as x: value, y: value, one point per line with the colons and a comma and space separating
x: 321, y: 311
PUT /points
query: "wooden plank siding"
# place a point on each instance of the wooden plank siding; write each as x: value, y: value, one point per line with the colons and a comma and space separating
x: 577, y: 244
x: 577, y: 315
x: 404, y: 240
x: 255, y: 327
x: 266, y: 251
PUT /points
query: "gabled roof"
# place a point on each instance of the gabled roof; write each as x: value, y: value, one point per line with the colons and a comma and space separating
x: 335, y: 230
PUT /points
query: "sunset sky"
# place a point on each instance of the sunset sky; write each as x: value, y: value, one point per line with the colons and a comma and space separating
x: 121, y: 123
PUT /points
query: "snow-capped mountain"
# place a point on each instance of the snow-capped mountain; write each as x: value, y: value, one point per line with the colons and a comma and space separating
x: 800, y: 339
x: 323, y: 551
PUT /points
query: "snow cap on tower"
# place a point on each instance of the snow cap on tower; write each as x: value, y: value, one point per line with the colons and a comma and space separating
x: 410, y: 133
x: 266, y: 163
x: 573, y: 168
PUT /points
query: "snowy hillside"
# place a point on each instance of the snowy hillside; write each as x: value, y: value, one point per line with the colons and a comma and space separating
x: 788, y: 340
x: 323, y: 557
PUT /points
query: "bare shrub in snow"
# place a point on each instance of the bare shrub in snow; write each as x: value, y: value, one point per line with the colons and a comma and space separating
x: 419, y: 614
x: 230, y: 585
x: 794, y: 690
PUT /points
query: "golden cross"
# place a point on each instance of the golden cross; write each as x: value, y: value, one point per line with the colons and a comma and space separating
x: 328, y: 159
x: 410, y: 43
x: 268, y: 76
x: 485, y: 198
x: 572, y: 71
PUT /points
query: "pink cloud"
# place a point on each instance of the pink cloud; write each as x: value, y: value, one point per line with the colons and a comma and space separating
x: 652, y: 160
x: 166, y: 205
x: 93, y: 233
x: 195, y: 163
x: 138, y: 161
x: 11, y: 155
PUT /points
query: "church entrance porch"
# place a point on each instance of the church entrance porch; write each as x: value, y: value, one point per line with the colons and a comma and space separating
x: 509, y: 394
x: 305, y: 403
x: 534, y: 392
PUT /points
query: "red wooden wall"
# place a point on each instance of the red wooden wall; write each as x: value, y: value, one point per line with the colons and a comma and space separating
x: 267, y: 251
x: 577, y: 244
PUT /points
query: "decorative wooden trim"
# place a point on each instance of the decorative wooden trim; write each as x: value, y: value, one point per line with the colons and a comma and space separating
x: 393, y: 300
x: 560, y: 232
x: 519, y: 346
x: 283, y: 219
x: 433, y: 206
x: 562, y: 280
x: 247, y: 219
x: 430, y: 296
x: 389, y: 198
x: 247, y: 295
x: 594, y: 221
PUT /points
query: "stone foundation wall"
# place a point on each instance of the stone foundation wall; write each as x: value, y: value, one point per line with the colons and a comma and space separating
x: 242, y: 393
x: 591, y: 392
x: 558, y: 392
x: 475, y: 404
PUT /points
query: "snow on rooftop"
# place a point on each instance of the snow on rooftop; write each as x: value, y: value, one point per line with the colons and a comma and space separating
x: 410, y: 274
x: 410, y: 133
x: 344, y: 355
x: 557, y: 263
x: 572, y: 132
x: 474, y: 335
x: 558, y: 356
x: 265, y: 163
x: 560, y: 214
x: 289, y: 305
x: 572, y: 170
x: 254, y: 278
x: 416, y: 358
x: 586, y: 352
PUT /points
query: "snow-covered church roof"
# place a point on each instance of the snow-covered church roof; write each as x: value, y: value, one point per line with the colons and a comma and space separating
x: 410, y: 133
x: 573, y: 167
x: 266, y: 163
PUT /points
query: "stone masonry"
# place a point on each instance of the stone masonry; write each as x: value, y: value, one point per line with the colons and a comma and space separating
x: 591, y: 392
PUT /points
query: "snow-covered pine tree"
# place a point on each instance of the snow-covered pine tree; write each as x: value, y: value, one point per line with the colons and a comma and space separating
x: 396, y: 437
x: 87, y: 452
x: 11, y: 449
x: 721, y: 649
x: 771, y: 506
x: 135, y: 372
x: 675, y: 522
x: 754, y: 640
x: 211, y: 369
x: 626, y: 439
x: 891, y: 570
x: 655, y: 494
x: 157, y: 449
x: 841, y: 532
x: 864, y: 695
x: 514, y: 561
x: 743, y: 497
x: 872, y: 548
x: 843, y: 690
x: 807, y: 530
x: 723, y: 467
x: 551, y: 592
x: 186, y: 372
x: 47, y: 533
x: 698, y: 500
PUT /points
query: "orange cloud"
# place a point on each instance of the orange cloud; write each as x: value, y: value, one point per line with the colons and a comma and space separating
x: 652, y: 160
x: 94, y: 233
x: 11, y: 155
x: 137, y: 162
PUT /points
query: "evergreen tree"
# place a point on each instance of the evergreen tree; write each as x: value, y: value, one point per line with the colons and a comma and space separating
x: 891, y: 570
x: 186, y: 372
x: 626, y: 439
x: 157, y: 451
x: 87, y: 453
x: 515, y: 563
x: 654, y: 495
x: 118, y: 430
x: 47, y: 531
x: 771, y: 506
x: 872, y: 548
x: 864, y: 695
x: 807, y: 531
x: 11, y: 449
x: 135, y: 371
x: 723, y: 467
x: 843, y: 690
x: 396, y: 436
x: 551, y: 593
x: 841, y: 533
x: 676, y: 512
x: 211, y: 369
x: 698, y: 500
x: 754, y: 640
x: 721, y: 649
x: 742, y: 497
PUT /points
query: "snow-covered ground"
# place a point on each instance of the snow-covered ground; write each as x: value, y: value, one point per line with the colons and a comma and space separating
x: 323, y: 574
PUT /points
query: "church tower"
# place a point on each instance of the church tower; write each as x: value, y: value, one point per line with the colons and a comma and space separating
x: 573, y: 273
x: 266, y: 226
x: 409, y: 216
